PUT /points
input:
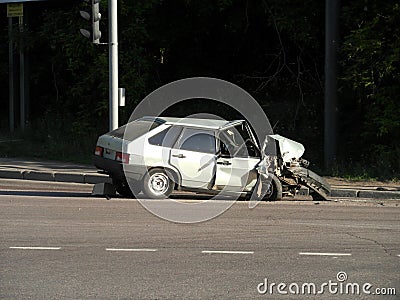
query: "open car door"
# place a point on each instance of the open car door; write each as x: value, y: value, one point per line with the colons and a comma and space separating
x: 238, y: 155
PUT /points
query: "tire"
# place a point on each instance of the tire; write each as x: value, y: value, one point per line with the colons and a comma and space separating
x: 274, y: 192
x: 125, y: 189
x: 157, y: 184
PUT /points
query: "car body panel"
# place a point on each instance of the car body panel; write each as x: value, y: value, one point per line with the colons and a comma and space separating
x: 289, y: 148
x: 110, y: 143
x: 194, y: 167
x: 194, y: 160
x: 144, y: 156
x: 236, y: 173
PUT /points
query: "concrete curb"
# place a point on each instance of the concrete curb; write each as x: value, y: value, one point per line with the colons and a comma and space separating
x: 37, y: 175
x: 344, y: 193
x: 355, y: 193
x: 55, y: 176
x: 379, y: 194
x: 69, y: 177
x: 93, y: 179
x: 11, y: 174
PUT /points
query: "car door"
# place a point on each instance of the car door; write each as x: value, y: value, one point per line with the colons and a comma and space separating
x: 194, y: 155
x: 238, y: 156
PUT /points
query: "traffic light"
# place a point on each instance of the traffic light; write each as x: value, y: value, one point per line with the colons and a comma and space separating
x: 94, y: 18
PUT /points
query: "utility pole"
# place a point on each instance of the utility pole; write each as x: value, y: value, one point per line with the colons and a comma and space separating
x: 113, y: 64
x: 11, y: 75
x: 22, y: 78
x: 330, y: 114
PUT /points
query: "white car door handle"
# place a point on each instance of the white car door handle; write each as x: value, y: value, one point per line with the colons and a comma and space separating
x: 179, y: 155
x: 225, y: 163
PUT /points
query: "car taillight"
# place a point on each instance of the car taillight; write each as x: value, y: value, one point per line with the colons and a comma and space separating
x: 122, y: 157
x: 98, y: 151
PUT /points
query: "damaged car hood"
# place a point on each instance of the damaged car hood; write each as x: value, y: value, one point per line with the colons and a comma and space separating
x: 289, y: 149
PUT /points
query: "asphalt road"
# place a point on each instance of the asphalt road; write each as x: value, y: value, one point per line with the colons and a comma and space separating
x: 58, y: 242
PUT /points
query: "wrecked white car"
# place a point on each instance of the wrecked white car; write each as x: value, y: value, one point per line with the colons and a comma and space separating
x: 159, y: 155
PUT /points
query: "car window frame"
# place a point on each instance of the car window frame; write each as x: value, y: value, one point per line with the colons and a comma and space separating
x: 174, y: 138
x: 251, y: 139
x: 210, y: 132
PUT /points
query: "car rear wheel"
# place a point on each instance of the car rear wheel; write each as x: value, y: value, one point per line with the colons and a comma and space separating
x: 157, y: 184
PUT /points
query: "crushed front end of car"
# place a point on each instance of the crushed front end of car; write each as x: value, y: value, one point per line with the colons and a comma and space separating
x: 290, y: 169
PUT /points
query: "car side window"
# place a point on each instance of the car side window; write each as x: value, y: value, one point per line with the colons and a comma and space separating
x: 197, y: 140
x: 167, y: 137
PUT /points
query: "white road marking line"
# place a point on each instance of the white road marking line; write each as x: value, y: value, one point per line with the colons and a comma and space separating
x: 36, y: 248
x: 324, y: 254
x: 226, y: 252
x: 130, y: 250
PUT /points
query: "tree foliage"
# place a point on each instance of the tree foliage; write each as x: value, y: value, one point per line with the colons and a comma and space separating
x: 370, y: 61
x: 272, y: 48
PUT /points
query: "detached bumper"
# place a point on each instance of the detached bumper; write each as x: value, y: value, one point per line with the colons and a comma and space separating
x: 313, y: 181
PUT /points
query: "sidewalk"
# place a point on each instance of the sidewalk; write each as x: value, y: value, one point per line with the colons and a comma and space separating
x: 29, y: 169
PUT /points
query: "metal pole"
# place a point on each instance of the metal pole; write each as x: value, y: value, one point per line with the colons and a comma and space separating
x: 22, y: 77
x: 113, y: 64
x: 27, y: 86
x: 10, y: 75
x: 331, y: 44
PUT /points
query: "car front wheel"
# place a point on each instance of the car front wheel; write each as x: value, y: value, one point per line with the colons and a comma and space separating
x: 274, y: 189
x: 157, y: 184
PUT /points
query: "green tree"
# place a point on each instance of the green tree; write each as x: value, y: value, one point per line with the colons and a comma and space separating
x: 371, y: 78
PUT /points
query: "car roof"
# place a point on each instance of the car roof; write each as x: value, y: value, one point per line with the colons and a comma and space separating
x: 196, y: 122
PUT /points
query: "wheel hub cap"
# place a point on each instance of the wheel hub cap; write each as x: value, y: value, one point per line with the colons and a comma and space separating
x: 159, y: 183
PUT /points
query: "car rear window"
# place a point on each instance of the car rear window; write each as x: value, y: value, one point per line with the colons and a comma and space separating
x: 135, y: 129
x: 160, y: 139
